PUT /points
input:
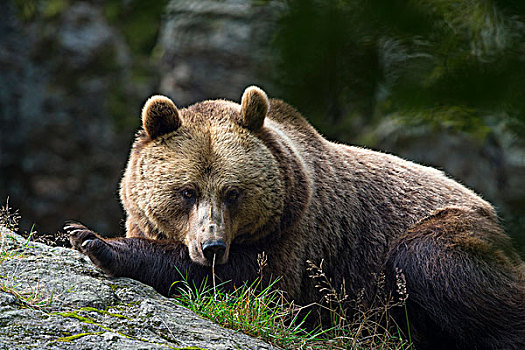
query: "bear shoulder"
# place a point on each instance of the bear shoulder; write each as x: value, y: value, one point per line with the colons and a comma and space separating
x: 283, y: 113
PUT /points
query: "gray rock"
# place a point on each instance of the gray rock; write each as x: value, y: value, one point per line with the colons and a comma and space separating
x: 60, y: 148
x: 84, y: 34
x: 214, y: 49
x: 72, y: 305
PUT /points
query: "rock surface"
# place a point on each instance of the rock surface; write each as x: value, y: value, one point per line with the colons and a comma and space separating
x: 216, y: 49
x: 61, y: 147
x: 54, y: 298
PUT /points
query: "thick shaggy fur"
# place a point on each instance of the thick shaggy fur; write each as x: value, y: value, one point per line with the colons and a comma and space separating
x: 257, y: 177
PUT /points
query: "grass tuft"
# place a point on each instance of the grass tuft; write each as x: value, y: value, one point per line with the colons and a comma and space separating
x: 356, y: 324
x: 263, y: 312
x: 31, y: 299
x: 35, y: 297
x: 259, y: 311
x: 9, y: 218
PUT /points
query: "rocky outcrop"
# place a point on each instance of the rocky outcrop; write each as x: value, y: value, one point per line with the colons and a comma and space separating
x: 216, y: 49
x: 64, y: 80
x: 54, y: 298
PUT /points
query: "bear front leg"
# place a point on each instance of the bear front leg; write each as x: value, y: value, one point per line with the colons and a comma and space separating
x: 160, y: 263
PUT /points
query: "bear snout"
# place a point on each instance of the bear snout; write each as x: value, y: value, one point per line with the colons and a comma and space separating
x: 203, y: 252
x: 214, y: 248
x: 209, y: 244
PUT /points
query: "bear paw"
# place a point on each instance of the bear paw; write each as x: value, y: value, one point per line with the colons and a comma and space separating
x: 83, y: 239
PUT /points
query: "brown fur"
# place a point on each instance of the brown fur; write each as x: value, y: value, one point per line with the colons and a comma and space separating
x: 465, y: 283
x: 300, y: 197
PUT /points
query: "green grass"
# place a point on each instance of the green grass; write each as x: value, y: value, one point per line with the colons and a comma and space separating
x: 33, y: 299
x: 264, y: 312
x: 261, y: 313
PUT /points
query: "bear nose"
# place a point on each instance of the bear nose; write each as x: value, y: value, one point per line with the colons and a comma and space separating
x: 213, y: 247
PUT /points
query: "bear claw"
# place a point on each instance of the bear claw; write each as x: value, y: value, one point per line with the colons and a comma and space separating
x: 81, y: 238
x: 86, y: 242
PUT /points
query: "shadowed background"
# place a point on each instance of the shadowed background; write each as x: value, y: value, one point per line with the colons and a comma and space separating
x: 440, y: 82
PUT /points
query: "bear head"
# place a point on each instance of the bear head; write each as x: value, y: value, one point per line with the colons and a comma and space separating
x: 201, y: 176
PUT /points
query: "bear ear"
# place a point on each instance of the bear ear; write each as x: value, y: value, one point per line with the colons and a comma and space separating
x: 160, y: 116
x: 254, y: 107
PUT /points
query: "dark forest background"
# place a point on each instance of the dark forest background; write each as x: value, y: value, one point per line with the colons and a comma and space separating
x: 440, y: 82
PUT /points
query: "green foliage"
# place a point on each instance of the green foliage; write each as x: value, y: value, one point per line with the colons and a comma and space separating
x: 28, y: 10
x: 352, y: 59
x: 139, y: 21
x: 351, y: 65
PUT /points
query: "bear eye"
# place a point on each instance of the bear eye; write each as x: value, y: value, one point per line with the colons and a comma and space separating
x: 232, y: 196
x: 189, y: 195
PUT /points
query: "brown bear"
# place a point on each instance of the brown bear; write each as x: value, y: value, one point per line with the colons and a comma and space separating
x: 219, y: 183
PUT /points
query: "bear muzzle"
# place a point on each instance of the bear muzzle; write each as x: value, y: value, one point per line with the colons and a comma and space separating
x: 214, y: 248
x: 209, y: 250
x: 209, y: 234
x: 209, y: 246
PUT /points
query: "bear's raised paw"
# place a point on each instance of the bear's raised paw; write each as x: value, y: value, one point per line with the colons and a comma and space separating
x: 83, y: 239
